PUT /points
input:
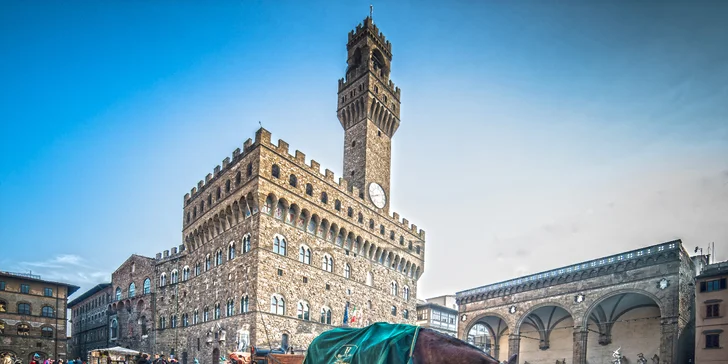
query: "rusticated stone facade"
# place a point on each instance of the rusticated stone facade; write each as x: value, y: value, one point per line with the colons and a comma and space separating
x: 638, y: 301
x: 33, y: 316
x: 274, y: 249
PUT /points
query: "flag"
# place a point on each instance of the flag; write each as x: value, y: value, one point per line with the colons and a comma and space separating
x: 346, y: 313
x: 353, y: 314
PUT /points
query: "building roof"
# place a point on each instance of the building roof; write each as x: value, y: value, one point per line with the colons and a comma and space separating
x: 36, y: 278
x: 89, y: 293
x: 715, y: 269
x: 554, y: 274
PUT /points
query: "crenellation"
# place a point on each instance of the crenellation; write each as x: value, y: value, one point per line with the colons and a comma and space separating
x: 405, y: 222
x: 158, y: 256
x: 344, y: 184
x: 193, y: 191
x: 174, y: 250
x: 200, y: 184
x: 187, y: 197
x: 354, y: 191
x: 236, y: 153
x: 165, y: 254
x: 247, y: 145
x: 315, y: 166
x: 282, y: 147
x: 208, y: 178
x: 225, y: 162
x: 413, y: 228
x: 300, y: 157
x: 262, y: 136
x: 395, y: 217
x: 329, y: 175
x: 216, y: 171
x: 422, y: 235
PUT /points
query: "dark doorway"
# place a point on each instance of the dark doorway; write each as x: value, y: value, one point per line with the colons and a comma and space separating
x: 184, y: 357
x: 215, y: 356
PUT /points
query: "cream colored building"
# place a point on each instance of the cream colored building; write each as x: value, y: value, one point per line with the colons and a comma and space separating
x: 711, y: 322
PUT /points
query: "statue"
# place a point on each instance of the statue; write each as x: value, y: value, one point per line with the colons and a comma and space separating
x: 656, y: 359
x: 641, y: 359
x: 7, y: 359
x: 617, y: 356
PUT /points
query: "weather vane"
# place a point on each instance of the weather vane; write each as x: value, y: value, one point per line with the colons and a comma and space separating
x: 371, y: 11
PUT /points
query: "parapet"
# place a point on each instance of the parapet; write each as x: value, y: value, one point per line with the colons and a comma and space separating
x: 174, y: 252
x: 369, y: 27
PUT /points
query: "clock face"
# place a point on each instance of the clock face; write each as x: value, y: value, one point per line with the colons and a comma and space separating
x: 377, y: 195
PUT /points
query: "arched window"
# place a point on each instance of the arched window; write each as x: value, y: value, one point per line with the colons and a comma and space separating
x: 238, y: 178
x: 231, y: 250
x: 173, y: 320
x: 324, y: 197
x: 206, y: 314
x: 175, y: 276
x: 381, y: 229
x: 147, y: 286
x: 144, y: 325
x: 337, y: 205
x: 394, y: 311
x: 217, y: 311
x: 246, y: 243
x: 417, y: 249
x: 350, y: 212
x: 197, y: 269
x: 244, y: 304
x: 277, y: 304
x: 209, y: 199
x: 293, y: 181
x: 347, y: 271
x: 391, y: 235
x: 195, y: 317
x: 371, y: 223
x: 249, y: 170
x: 118, y: 293
x: 275, y: 171
x: 227, y: 186
x: 325, y: 315
x: 327, y: 263
x: 218, y: 258
x: 202, y: 206
x: 394, y: 288
x: 185, y: 320
x: 405, y: 293
x: 279, y: 245
x: 304, y: 254
x: 230, y: 307
x: 218, y: 194
x: 162, y: 322
x: 360, y: 219
x: 132, y: 290
x: 479, y: 336
x: 405, y: 314
x: 188, y: 217
x: 114, y: 328
x: 46, y: 332
x: 309, y: 189
x: 208, y: 262
x: 302, y: 310
x: 47, y: 311
x: 163, y: 280
x: 185, y: 273
x: 370, y: 278
x: 311, y: 228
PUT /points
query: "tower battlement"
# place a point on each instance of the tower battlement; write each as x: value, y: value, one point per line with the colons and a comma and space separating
x: 369, y: 28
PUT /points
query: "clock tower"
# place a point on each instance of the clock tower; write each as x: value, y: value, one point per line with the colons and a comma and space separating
x: 368, y: 109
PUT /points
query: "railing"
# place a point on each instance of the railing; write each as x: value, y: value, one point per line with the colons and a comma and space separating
x: 622, y: 257
x: 25, y: 275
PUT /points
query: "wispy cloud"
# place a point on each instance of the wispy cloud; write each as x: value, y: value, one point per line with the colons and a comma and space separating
x: 66, y: 268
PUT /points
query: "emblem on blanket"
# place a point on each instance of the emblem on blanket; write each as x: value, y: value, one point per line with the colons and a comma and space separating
x: 345, y: 354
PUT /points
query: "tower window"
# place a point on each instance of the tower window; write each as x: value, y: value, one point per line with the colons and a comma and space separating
x: 350, y: 212
x: 361, y: 218
x: 275, y: 171
x: 324, y: 197
x: 352, y: 173
x: 353, y: 144
x: 249, y: 170
x: 337, y: 205
x: 219, y: 194
x: 238, y: 178
x: 293, y: 181
x: 371, y: 223
x: 309, y: 189
x: 376, y: 89
x: 379, y: 133
x: 227, y: 186
x: 385, y: 99
x: 381, y: 229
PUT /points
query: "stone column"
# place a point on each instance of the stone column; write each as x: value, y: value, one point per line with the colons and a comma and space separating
x: 496, y: 350
x: 668, y: 340
x: 514, y: 345
x: 580, y: 343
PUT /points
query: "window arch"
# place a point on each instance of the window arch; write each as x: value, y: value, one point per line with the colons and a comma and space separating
x: 324, y: 197
x: 249, y: 170
x: 185, y: 320
x: 347, y: 271
x: 394, y: 311
x: 350, y: 212
x: 325, y: 315
x: 394, y: 288
x: 238, y: 178
x: 370, y: 279
x: 218, y: 257
x: 227, y: 186
x: 185, y: 273
x: 47, y: 311
x: 327, y: 263
x: 118, y: 293
x: 144, y: 325
x: 405, y: 314
x: 208, y: 262
x: 277, y: 304
x: 279, y: 245
x: 337, y: 205
x: 371, y: 223
x: 304, y: 254
x: 302, y: 310
x: 175, y: 276
x: 147, y: 286
x: 162, y: 281
x: 293, y: 180
x: 173, y: 321
x: 360, y: 218
x: 309, y: 189
x: 195, y: 317
x: 275, y: 171
x: 244, y: 304
x: 46, y: 331
x: 406, y: 293
x: 231, y: 250
x: 230, y: 307
x: 132, y: 290
x: 114, y: 329
x: 246, y: 243
x: 401, y: 240
x: 206, y: 314
x: 217, y: 310
x: 218, y: 194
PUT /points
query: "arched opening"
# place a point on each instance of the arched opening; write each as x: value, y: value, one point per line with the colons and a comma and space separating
x: 629, y: 320
x: 490, y: 334
x: 547, y: 334
x: 216, y: 356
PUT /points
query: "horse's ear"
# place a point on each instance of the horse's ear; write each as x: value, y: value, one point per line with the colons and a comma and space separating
x: 513, y: 359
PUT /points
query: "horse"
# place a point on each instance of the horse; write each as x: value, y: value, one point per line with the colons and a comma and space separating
x: 434, y: 347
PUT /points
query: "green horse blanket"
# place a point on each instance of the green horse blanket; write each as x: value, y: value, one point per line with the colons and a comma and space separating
x: 379, y: 343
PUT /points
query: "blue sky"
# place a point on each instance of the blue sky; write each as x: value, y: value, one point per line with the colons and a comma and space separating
x: 534, y: 134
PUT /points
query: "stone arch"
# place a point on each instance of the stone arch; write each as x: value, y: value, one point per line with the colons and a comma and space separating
x: 498, y: 326
x: 584, y: 319
x: 521, y: 318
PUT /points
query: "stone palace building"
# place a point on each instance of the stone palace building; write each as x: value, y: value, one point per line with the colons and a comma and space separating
x: 273, y: 249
